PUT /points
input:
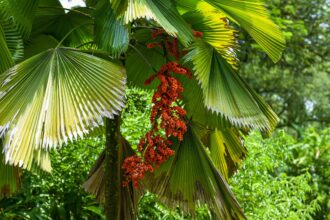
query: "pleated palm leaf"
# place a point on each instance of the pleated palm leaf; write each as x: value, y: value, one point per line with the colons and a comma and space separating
x: 55, y: 93
x: 73, y: 74
x: 190, y: 177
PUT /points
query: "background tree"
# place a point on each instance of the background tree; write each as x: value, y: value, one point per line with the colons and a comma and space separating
x: 71, y: 75
x: 297, y: 87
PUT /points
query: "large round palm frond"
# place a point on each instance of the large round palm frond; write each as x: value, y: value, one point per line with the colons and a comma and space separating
x: 190, y: 177
x: 56, y: 96
x: 252, y: 15
x: 136, y: 10
x: 225, y: 92
x: 217, y: 32
x: 164, y: 12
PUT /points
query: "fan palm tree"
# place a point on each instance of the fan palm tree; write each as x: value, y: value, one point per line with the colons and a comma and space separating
x: 64, y: 73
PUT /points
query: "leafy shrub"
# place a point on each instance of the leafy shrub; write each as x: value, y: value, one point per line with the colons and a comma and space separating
x: 58, y: 195
x: 263, y: 185
x: 312, y: 154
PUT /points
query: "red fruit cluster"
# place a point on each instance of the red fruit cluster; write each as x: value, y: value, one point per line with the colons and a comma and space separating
x: 198, y: 34
x: 172, y: 46
x: 155, y: 151
x: 156, y: 32
x: 168, y: 92
x: 135, y: 169
x: 154, y: 44
x: 154, y: 147
x: 165, y: 115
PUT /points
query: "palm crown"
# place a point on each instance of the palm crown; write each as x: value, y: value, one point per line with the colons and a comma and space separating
x: 63, y: 71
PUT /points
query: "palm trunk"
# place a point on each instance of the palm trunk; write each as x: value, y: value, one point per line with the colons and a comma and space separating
x: 112, y: 170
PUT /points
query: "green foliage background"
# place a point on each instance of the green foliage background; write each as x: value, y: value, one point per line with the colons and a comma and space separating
x: 268, y: 188
x: 297, y: 87
x: 281, y: 178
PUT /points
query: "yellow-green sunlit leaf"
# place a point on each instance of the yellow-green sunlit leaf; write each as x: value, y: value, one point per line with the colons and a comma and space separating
x: 166, y: 14
x: 216, y: 31
x: 226, y: 93
x: 136, y: 10
x: 226, y: 150
x: 252, y: 15
x: 55, y: 96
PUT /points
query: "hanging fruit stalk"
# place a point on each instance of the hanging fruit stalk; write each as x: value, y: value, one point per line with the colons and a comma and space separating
x: 167, y: 118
